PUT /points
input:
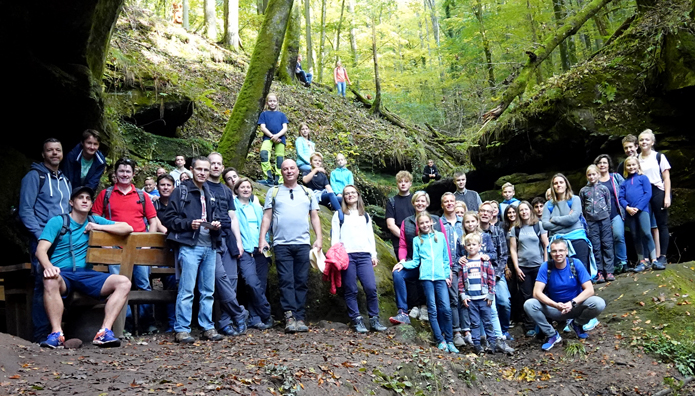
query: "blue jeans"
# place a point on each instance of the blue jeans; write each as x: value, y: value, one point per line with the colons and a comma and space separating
x: 503, y: 302
x: 170, y: 283
x: 197, y: 263
x: 438, y: 309
x: 496, y: 327
x: 292, y: 263
x: 360, y: 267
x: 582, y: 313
x: 258, y: 305
x: 459, y: 313
x: 481, y: 318
x: 305, y: 169
x: 618, y: 226
x: 331, y: 198
x: 141, y: 280
x: 341, y: 88
x: 400, y: 288
x: 640, y: 227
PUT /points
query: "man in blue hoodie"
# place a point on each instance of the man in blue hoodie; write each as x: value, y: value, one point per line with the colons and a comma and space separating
x: 85, y: 164
x: 45, y: 193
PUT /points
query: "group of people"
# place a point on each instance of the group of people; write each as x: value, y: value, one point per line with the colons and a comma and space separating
x: 340, y: 76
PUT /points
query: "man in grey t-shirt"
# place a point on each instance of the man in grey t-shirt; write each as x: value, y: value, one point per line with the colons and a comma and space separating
x: 289, y: 206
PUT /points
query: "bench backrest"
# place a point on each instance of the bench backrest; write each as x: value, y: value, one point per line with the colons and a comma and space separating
x: 138, y: 248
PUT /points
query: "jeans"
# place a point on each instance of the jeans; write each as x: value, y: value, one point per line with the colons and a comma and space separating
x: 526, y: 292
x: 197, y: 263
x: 141, y: 280
x: 360, y: 267
x: 481, y: 314
x: 39, y: 319
x: 601, y: 237
x: 460, y: 320
x: 503, y: 302
x: 330, y: 198
x: 248, y: 264
x: 640, y: 228
x: 438, y: 309
x: 495, y: 319
x: 618, y: 226
x: 661, y: 215
x: 170, y: 283
x: 305, y: 169
x: 341, y: 88
x: 292, y: 262
x: 225, y: 288
x: 582, y: 313
x: 400, y: 288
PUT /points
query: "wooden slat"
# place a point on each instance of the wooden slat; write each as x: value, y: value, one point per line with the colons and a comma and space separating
x: 15, y: 267
x: 101, y: 268
x: 161, y: 257
x: 154, y: 296
x: 148, y: 239
x: 163, y: 271
x: 98, y: 255
x: 101, y: 238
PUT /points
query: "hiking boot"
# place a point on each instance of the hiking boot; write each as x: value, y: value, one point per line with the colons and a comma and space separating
x: 458, y: 340
x: 290, y: 323
x: 662, y: 260
x: 303, y: 328
x: 241, y: 325
x: 533, y: 332
x: 579, y: 331
x: 228, y: 331
x: 591, y: 325
x: 442, y: 346
x: 400, y: 318
x: 600, y: 278
x: 106, y: 339
x: 423, y: 314
x: 610, y: 278
x: 359, y: 326
x: 266, y: 324
x: 451, y: 347
x: 657, y: 266
x: 414, y: 312
x: 184, y: 338
x: 478, y: 349
x: 640, y: 267
x: 211, y: 335
x: 375, y: 324
x: 54, y: 340
x: 502, y: 347
x: 551, y: 341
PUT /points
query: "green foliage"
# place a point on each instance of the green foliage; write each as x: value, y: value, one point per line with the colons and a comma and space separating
x: 575, y: 350
x: 681, y: 354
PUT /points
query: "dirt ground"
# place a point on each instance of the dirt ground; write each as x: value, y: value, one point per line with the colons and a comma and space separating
x: 326, y: 361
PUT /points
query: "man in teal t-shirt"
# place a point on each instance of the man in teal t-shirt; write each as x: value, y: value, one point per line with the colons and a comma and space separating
x: 66, y: 270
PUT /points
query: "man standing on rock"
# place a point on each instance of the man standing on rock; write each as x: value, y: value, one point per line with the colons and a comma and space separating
x: 563, y: 291
x: 289, y: 206
x: 469, y: 197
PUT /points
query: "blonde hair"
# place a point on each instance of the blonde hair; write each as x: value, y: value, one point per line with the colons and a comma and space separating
x: 273, y: 95
x: 568, y: 191
x: 417, y: 223
x: 449, y: 194
x: 460, y: 204
x: 404, y: 175
x: 593, y: 168
x: 473, y: 237
x: 639, y: 166
x: 476, y: 217
x: 419, y: 194
x: 648, y: 132
x: 314, y: 155
x: 508, y: 185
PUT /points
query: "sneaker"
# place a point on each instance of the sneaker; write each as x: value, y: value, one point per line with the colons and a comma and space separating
x: 106, y: 339
x: 640, y: 267
x: 610, y: 278
x: 600, y: 278
x: 579, y: 331
x: 266, y: 324
x: 359, y: 326
x: 290, y: 323
x: 451, y: 347
x: 568, y: 326
x: 184, y: 338
x: 423, y: 314
x: 478, y: 349
x: 442, y: 346
x: 458, y: 340
x: 241, y: 327
x: 657, y: 266
x: 468, y: 338
x: 507, y: 336
x: 375, y: 324
x: 301, y: 327
x: 54, y: 340
x: 551, y: 341
x: 211, y: 335
x: 152, y: 329
x: 484, y: 343
x: 415, y: 312
x: 502, y: 347
x: 531, y: 333
x: 621, y: 267
x: 400, y: 318
x: 591, y: 325
x: 662, y: 260
x: 228, y: 331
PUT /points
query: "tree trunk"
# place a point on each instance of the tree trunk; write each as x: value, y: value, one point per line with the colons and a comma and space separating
x: 184, y: 16
x: 376, y: 106
x: 309, y: 63
x: 290, y: 48
x: 323, y: 40
x: 337, y: 34
x: 518, y: 87
x: 353, y: 33
x: 559, y: 12
x: 231, y: 24
x: 435, y: 19
x: 210, y: 20
x: 478, y: 11
x: 240, y: 129
x: 261, y: 6
x: 534, y: 36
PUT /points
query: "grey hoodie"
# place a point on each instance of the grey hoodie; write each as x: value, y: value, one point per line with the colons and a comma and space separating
x: 36, y: 206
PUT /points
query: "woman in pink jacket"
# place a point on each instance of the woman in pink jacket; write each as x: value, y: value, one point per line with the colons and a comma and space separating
x: 340, y: 75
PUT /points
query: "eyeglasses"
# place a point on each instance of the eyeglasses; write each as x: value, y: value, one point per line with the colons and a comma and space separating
x: 291, y: 195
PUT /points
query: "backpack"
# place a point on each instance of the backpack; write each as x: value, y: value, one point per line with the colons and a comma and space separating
x: 572, y: 269
x: 341, y: 217
x: 276, y: 190
x: 536, y: 229
x: 581, y: 215
x: 107, y: 196
x: 64, y: 229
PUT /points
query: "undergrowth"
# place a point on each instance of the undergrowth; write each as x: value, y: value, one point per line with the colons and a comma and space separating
x: 681, y: 354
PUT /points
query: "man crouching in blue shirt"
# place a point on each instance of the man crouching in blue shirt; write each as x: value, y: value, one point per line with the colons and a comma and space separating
x: 563, y: 291
x: 62, y: 252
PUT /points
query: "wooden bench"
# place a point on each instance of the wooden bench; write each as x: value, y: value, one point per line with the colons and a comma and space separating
x: 18, y: 291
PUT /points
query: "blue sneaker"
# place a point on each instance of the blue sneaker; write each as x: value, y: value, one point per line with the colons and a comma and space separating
x: 591, y: 324
x: 507, y: 336
x: 442, y: 346
x: 568, y: 326
x: 579, y: 331
x: 106, y: 339
x: 228, y: 330
x: 54, y: 340
x: 552, y: 340
x: 533, y: 332
x: 401, y: 318
x: 451, y: 347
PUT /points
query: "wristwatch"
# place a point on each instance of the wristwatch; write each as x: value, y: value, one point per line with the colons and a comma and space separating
x: 574, y: 303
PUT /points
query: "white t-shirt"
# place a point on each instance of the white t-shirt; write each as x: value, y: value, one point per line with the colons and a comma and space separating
x: 652, y: 170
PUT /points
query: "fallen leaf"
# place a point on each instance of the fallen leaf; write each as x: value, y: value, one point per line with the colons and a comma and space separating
x: 16, y: 376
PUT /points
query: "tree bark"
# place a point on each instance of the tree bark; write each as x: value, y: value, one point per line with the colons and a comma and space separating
x: 184, y: 16
x: 309, y: 63
x: 376, y: 106
x: 231, y: 24
x: 322, y: 42
x: 518, y: 86
x: 353, y: 33
x: 240, y: 129
x: 435, y: 19
x: 534, y: 36
x: 337, y: 34
x: 559, y: 12
x: 261, y: 6
x: 210, y: 20
x: 290, y: 48
x: 478, y: 11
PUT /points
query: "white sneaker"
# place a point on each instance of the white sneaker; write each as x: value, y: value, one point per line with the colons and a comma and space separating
x: 423, y: 314
x: 414, y: 313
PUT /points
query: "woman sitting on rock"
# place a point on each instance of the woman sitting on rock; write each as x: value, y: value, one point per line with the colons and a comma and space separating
x: 317, y: 180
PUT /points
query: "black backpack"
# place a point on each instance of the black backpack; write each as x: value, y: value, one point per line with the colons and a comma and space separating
x: 64, y: 229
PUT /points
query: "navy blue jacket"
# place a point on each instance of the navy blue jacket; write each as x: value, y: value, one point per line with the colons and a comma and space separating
x: 72, y: 168
x: 180, y: 213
